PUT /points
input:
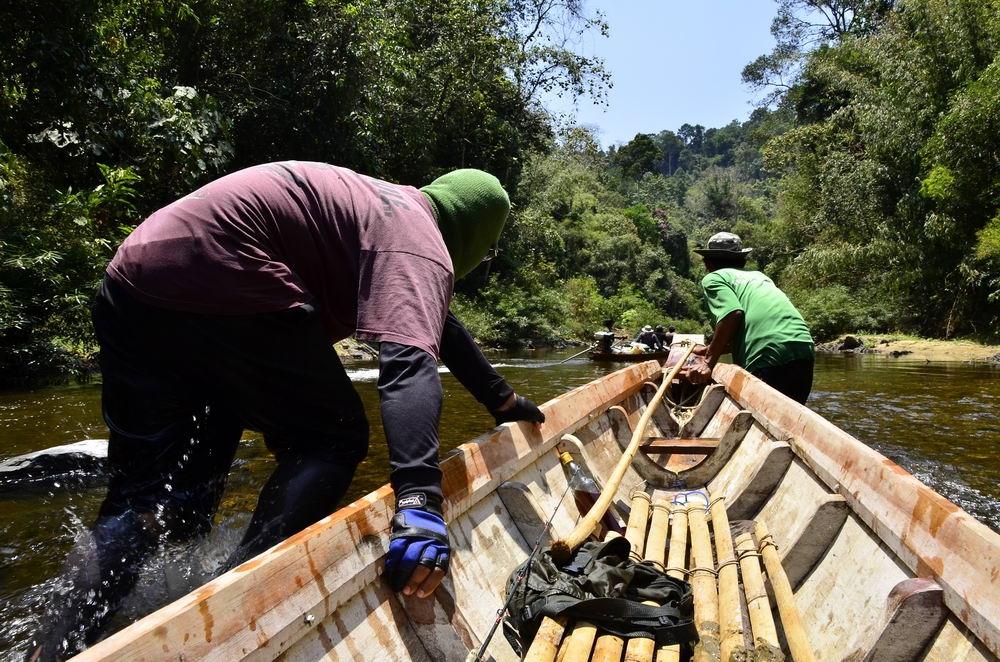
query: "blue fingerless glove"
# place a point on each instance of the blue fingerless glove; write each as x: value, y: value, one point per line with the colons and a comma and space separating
x: 419, y: 537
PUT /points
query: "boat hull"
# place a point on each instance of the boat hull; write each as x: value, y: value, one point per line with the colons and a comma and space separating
x: 880, y: 566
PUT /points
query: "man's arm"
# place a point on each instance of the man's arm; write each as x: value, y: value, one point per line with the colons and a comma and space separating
x: 465, y: 360
x: 725, y: 331
x: 410, y: 393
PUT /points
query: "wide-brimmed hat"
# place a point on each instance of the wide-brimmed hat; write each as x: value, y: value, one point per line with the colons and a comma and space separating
x: 647, y: 329
x: 723, y: 244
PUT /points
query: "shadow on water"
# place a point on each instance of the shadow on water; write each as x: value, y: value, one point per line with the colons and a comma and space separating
x: 939, y: 421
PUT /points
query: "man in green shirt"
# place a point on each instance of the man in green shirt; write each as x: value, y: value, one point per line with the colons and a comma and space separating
x: 754, y: 320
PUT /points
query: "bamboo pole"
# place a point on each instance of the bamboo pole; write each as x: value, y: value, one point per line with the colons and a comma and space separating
x: 564, y: 647
x: 545, y: 646
x: 730, y: 616
x: 609, y: 647
x: 638, y: 518
x: 791, y: 621
x: 761, y: 622
x: 706, y: 595
x: 656, y: 542
x: 641, y: 649
x: 581, y: 641
x: 563, y: 549
x: 676, y: 564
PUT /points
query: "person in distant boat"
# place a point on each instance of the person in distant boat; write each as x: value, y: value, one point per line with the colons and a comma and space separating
x: 666, y: 338
x: 648, y: 338
x: 219, y: 313
x: 753, y: 319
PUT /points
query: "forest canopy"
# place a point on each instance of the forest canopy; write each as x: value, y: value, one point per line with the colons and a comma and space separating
x: 867, y: 180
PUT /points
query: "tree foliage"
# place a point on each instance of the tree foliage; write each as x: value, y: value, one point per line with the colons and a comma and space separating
x: 110, y: 109
x: 889, y: 179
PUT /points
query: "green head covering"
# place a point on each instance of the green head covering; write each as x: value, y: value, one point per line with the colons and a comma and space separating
x: 471, y: 208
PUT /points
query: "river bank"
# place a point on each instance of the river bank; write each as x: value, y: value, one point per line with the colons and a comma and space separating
x: 897, y: 345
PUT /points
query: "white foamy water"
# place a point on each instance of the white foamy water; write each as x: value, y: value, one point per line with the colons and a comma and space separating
x: 371, y: 374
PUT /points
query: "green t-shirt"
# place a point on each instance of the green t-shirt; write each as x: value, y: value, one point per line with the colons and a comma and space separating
x: 773, y: 331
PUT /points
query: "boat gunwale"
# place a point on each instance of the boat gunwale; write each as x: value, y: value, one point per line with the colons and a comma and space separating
x: 932, y: 536
x: 498, y: 454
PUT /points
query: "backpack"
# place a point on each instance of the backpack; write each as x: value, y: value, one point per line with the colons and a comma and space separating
x: 603, y: 586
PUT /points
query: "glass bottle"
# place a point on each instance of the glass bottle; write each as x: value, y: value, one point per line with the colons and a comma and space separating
x: 585, y: 493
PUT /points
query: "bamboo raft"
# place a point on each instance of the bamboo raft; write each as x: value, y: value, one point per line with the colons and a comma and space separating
x: 799, y: 542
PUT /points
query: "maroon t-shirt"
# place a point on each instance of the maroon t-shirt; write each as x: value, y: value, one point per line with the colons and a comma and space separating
x: 366, y: 252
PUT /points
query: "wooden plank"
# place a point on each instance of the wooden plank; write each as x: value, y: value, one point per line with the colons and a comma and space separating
x: 914, y: 613
x: 934, y: 538
x: 322, y: 567
x: 664, y: 446
x: 764, y: 476
x: 954, y: 643
x: 524, y: 510
x: 373, y: 619
x: 849, y: 586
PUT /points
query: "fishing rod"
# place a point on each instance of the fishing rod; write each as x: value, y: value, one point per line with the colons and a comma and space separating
x: 522, y: 576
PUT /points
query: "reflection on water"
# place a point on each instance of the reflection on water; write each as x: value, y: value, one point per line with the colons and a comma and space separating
x: 940, y: 421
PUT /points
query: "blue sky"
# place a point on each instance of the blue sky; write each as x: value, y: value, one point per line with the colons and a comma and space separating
x: 674, y: 61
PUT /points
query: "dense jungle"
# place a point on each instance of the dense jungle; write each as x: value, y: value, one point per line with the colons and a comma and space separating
x: 867, y: 179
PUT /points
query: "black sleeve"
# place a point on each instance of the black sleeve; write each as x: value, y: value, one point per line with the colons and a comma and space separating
x: 462, y: 356
x: 410, y: 392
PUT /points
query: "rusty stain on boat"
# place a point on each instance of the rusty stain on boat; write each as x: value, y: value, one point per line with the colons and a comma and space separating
x: 207, y: 619
x: 314, y: 570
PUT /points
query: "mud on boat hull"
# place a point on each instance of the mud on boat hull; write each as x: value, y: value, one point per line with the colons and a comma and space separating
x: 881, y: 566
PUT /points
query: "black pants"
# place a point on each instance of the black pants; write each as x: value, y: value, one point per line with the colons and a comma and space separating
x: 793, y: 379
x: 178, y: 391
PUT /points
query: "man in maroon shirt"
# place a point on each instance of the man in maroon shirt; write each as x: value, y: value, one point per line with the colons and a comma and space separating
x: 219, y: 313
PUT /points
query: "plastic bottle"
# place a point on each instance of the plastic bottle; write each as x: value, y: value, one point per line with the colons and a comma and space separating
x: 585, y: 493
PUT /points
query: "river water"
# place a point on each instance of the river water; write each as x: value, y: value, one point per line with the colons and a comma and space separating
x: 941, y: 421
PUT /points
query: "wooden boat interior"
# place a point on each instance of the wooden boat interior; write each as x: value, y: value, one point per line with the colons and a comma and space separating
x: 749, y: 496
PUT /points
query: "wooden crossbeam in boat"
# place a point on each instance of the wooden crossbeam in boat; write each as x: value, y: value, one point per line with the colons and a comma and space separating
x: 914, y: 613
x: 692, y: 446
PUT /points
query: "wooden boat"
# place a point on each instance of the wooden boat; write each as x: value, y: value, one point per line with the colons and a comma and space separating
x: 629, y: 357
x: 880, y: 567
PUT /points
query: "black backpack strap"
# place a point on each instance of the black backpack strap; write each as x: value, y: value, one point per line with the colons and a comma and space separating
x: 624, y: 618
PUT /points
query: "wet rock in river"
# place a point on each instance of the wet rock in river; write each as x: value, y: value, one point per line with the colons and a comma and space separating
x: 850, y: 342
x: 81, y: 464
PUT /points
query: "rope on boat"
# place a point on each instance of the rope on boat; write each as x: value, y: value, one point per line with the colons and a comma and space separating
x: 521, y: 577
x: 681, y: 498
